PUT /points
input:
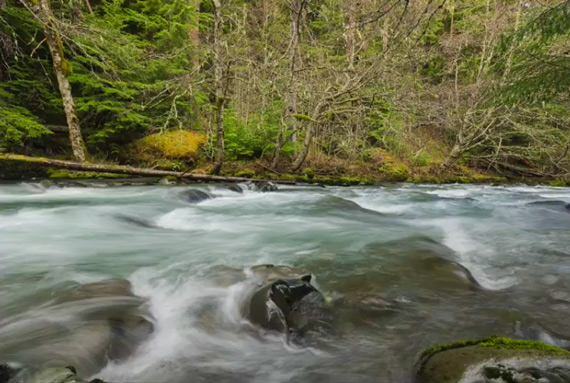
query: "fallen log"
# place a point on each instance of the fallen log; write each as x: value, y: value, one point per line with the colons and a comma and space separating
x: 121, y: 169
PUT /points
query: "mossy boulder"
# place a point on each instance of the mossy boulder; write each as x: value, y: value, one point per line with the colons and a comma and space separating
x: 170, y: 150
x: 494, y: 359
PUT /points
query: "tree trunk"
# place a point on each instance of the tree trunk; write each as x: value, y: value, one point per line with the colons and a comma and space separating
x: 350, y: 33
x: 306, y: 146
x: 309, y: 132
x: 6, y: 50
x: 220, y: 134
x: 194, y: 35
x: 62, y: 69
x: 218, y: 85
x: 88, y: 6
x: 509, y: 63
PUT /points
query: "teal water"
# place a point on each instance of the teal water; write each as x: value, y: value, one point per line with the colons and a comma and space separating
x: 403, y: 267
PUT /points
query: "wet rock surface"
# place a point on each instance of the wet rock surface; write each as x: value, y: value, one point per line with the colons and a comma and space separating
x: 195, y: 195
x: 83, y: 325
x: 235, y: 188
x: 43, y: 375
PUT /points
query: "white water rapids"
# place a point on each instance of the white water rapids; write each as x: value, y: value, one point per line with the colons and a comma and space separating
x: 405, y: 267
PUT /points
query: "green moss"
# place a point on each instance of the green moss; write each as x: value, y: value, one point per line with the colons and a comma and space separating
x: 421, y: 159
x: 309, y: 173
x: 288, y: 177
x: 246, y: 173
x: 324, y: 180
x: 69, y: 174
x: 65, y: 67
x: 350, y: 181
x: 395, y: 171
x: 173, y: 165
x: 557, y: 183
x: 302, y: 117
x: 172, y: 150
x: 496, y: 343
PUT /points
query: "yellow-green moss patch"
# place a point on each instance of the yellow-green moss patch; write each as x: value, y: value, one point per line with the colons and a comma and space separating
x: 70, y: 174
x: 181, y: 145
x: 497, y: 343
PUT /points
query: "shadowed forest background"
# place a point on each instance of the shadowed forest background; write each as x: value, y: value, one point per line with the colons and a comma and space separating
x: 389, y: 89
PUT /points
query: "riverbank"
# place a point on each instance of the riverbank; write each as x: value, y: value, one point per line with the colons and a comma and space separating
x: 335, y: 172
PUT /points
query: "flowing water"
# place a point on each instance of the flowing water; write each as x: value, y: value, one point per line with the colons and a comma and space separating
x: 402, y: 267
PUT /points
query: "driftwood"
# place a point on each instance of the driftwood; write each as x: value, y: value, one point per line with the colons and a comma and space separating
x: 120, y: 169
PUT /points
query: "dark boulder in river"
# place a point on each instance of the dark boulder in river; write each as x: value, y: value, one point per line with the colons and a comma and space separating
x: 235, y: 188
x: 494, y: 360
x: 84, y: 326
x: 266, y: 186
x: 274, y: 305
x: 278, y: 298
x: 195, y: 195
x: 5, y: 373
x: 551, y: 204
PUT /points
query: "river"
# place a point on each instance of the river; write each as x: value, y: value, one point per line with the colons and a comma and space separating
x: 402, y: 267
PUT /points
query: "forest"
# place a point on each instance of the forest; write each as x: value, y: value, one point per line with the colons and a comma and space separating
x: 393, y: 90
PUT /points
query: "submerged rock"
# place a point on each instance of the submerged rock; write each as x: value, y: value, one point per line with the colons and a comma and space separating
x: 270, y: 273
x: 195, y: 196
x: 167, y: 181
x: 235, y: 188
x: 495, y: 360
x: 266, y: 186
x: 136, y: 221
x: 48, y: 375
x: 552, y: 205
x: 46, y: 184
x: 84, y: 326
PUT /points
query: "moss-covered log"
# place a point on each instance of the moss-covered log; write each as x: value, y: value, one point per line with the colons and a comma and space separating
x: 35, y: 162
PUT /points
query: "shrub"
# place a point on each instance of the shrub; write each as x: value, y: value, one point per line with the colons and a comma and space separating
x: 394, y: 170
x: 421, y: 159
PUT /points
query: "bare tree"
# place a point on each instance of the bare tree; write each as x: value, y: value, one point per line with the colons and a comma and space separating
x: 293, y: 56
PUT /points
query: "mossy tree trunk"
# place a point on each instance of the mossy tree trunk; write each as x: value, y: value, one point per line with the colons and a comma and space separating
x: 218, y: 86
x: 42, y: 162
x: 62, y: 69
